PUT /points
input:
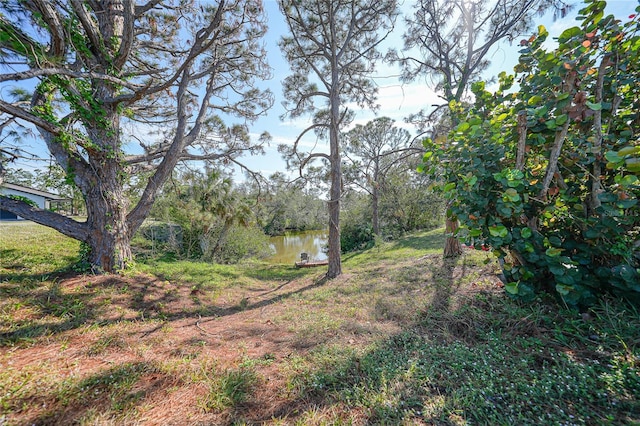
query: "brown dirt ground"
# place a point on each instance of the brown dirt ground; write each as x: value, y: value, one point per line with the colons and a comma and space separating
x: 143, y: 322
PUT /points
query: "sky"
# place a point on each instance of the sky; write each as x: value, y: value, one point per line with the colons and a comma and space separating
x: 396, y: 100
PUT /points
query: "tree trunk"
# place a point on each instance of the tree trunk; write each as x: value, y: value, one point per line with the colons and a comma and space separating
x: 452, y: 246
x: 374, y: 200
x: 106, y: 230
x: 221, y: 238
x: 335, y: 263
x: 109, y: 234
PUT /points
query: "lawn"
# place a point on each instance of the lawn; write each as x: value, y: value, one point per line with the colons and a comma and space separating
x: 402, y: 337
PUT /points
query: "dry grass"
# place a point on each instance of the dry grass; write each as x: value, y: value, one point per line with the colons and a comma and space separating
x: 187, y: 343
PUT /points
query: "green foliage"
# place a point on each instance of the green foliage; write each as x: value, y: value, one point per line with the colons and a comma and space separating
x: 286, y: 206
x: 408, y: 204
x: 108, y: 76
x: 475, y: 365
x: 356, y: 232
x: 216, y: 223
x: 242, y: 242
x: 356, y: 236
x: 84, y: 256
x: 23, y: 199
x: 563, y: 215
x: 381, y: 160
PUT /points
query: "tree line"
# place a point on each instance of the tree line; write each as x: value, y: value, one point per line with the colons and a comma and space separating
x: 87, y: 73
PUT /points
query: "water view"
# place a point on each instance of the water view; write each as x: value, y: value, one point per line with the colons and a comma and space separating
x: 289, y: 246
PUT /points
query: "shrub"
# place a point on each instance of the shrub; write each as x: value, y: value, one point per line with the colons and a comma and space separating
x: 356, y: 236
x: 548, y: 175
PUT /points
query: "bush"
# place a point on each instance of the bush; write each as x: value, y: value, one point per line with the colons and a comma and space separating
x: 356, y: 236
x: 548, y: 176
x: 163, y: 233
x: 356, y: 229
x: 239, y: 243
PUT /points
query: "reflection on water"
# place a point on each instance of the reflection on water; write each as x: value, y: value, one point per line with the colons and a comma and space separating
x: 289, y: 246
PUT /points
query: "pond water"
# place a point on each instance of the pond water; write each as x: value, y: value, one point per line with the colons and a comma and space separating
x: 289, y: 246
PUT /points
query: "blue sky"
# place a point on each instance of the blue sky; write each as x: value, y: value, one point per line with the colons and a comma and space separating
x: 396, y: 100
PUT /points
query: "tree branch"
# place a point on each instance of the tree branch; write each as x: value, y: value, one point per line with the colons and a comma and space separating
x: 559, y: 140
x: 310, y: 157
x: 522, y: 139
x: 31, y: 118
x: 63, y: 224
x: 39, y: 72
x: 92, y: 32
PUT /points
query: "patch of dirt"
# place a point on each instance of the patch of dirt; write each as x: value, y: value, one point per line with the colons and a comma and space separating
x: 165, y: 327
x: 148, y: 351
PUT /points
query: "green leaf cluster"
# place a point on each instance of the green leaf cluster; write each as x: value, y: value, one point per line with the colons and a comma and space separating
x: 562, y: 214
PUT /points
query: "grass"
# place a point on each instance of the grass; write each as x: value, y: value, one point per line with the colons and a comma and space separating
x: 402, y: 337
x: 33, y: 252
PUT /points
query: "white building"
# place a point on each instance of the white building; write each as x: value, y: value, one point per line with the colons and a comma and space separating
x: 44, y: 200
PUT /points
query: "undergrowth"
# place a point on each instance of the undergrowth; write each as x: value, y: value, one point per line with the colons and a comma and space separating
x: 403, y: 337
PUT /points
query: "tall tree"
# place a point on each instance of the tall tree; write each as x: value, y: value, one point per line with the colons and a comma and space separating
x: 333, y: 49
x: 104, y: 73
x: 373, y: 150
x: 449, y: 41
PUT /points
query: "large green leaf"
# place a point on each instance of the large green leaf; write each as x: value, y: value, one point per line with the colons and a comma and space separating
x: 498, y: 231
x: 553, y: 252
x: 569, y: 33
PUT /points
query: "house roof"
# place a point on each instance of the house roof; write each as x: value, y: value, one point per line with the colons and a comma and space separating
x: 27, y: 190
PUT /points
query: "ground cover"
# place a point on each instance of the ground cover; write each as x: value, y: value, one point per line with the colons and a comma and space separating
x: 402, y: 337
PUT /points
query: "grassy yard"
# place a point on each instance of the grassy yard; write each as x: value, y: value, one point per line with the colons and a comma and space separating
x: 403, y: 337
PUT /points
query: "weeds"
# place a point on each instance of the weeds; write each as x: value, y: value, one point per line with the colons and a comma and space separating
x: 229, y: 388
x: 403, y: 337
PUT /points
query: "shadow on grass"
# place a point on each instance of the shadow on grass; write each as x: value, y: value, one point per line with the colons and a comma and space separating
x: 431, y: 240
x: 444, y: 284
x: 437, y: 371
x: 426, y: 241
x: 57, y: 309
x: 61, y: 310
x: 276, y: 272
x: 106, y: 395
x: 19, y: 272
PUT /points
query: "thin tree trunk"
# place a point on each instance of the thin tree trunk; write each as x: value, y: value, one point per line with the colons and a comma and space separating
x: 557, y: 143
x: 452, y: 246
x: 522, y: 140
x: 335, y: 263
x: 596, y: 185
x: 374, y: 200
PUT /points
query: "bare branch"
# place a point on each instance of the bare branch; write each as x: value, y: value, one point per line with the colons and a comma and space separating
x: 311, y: 157
x: 561, y: 135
